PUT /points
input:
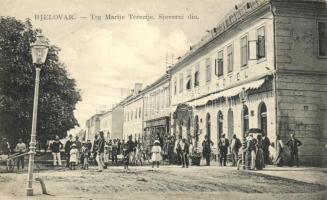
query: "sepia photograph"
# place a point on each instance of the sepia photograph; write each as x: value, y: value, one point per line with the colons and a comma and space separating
x: 163, y: 99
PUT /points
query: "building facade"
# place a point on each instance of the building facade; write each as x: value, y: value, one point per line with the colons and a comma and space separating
x: 92, y: 127
x: 246, y: 73
x: 133, y: 114
x: 106, y: 123
x: 156, y: 99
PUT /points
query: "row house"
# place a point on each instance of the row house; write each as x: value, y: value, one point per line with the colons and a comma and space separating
x: 111, y: 122
x: 263, y: 66
x: 92, y: 127
x: 133, y: 114
x: 156, y: 99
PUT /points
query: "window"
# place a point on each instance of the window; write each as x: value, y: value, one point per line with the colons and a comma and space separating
x: 139, y: 112
x: 261, y: 43
x: 196, y: 78
x: 188, y: 80
x: 136, y: 113
x: 230, y: 58
x: 181, y: 83
x: 244, y: 51
x: 322, y: 31
x: 208, y: 69
x: 219, y: 64
x: 175, y: 87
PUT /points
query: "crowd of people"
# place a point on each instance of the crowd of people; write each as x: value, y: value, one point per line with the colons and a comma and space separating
x: 180, y: 151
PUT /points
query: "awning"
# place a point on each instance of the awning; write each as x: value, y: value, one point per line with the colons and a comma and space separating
x: 228, y: 93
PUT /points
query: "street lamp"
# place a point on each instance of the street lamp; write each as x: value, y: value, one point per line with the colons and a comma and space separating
x: 39, y: 53
x: 243, y: 96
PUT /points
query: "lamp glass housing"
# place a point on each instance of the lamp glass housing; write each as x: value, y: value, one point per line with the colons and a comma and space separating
x: 40, y: 50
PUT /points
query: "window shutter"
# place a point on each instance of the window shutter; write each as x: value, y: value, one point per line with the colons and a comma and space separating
x: 216, y: 67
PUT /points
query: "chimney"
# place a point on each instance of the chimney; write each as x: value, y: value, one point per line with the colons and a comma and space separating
x: 137, y: 88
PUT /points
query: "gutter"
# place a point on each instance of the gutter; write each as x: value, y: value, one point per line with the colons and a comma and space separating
x: 273, y: 11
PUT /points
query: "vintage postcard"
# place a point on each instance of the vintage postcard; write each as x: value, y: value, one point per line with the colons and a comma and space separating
x: 163, y: 99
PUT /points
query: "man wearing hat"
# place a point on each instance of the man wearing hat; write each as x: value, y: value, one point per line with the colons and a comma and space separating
x: 185, y: 151
x: 206, y: 149
x: 55, y: 147
x: 223, y: 149
x: 293, y: 145
x: 68, y: 147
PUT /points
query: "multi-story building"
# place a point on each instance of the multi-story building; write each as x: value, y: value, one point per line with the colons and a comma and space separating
x: 92, y: 127
x: 133, y: 114
x: 106, y: 123
x: 111, y: 122
x: 263, y: 66
x: 156, y: 112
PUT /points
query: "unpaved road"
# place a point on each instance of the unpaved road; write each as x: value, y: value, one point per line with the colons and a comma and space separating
x: 171, y: 182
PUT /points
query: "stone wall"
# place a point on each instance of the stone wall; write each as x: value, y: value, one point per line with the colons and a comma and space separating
x: 301, y: 78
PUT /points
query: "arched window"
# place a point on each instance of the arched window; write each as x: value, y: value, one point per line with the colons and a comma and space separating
x: 196, y: 79
x: 220, y: 120
x: 263, y: 117
x: 245, y: 118
x: 208, y: 126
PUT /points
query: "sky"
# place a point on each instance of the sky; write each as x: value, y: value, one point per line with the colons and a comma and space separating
x: 106, y: 55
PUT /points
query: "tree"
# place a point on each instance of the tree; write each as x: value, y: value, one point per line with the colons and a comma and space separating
x: 58, y: 93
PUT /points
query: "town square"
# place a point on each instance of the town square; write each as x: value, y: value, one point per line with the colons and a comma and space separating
x: 163, y: 99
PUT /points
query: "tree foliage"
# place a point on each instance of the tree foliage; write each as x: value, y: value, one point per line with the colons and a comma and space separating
x: 58, y: 94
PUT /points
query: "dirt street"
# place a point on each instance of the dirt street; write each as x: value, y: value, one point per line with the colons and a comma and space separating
x: 168, y: 181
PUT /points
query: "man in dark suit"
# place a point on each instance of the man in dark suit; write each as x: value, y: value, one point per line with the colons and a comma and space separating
x: 206, y: 149
x: 293, y: 145
x: 68, y: 147
x: 185, y: 151
x: 223, y: 149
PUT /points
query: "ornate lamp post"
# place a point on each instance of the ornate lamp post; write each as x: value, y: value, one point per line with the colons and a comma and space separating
x: 243, y: 96
x: 39, y: 53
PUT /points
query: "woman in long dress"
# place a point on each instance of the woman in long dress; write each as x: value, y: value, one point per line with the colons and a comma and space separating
x: 279, y: 152
x: 156, y: 154
x: 259, y: 155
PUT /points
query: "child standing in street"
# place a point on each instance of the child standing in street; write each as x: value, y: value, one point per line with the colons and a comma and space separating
x: 156, y: 153
x: 73, y: 157
x: 85, y: 156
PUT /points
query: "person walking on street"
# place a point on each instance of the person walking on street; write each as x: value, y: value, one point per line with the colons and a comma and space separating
x: 156, y: 154
x: 100, y: 152
x: 20, y: 148
x: 265, y: 148
x: 235, y: 147
x: 185, y: 151
x: 223, y: 149
x: 55, y: 147
x: 95, y: 148
x: 206, y: 149
x: 68, y: 146
x: 293, y: 145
